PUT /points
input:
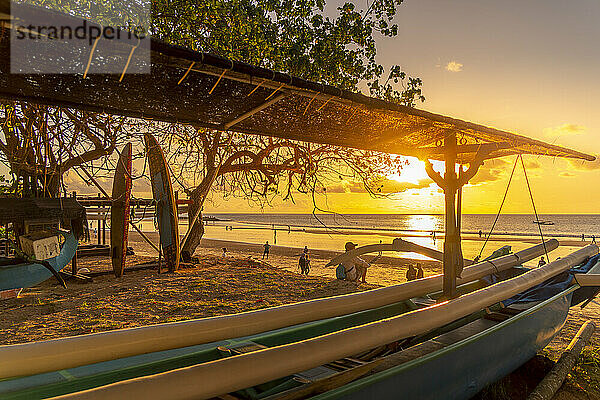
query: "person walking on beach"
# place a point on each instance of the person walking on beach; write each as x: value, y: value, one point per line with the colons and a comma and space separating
x: 480, y: 233
x: 266, y: 247
x: 304, y: 263
x: 420, y: 273
x: 356, y: 267
x: 542, y: 262
x: 224, y: 252
x: 411, y: 273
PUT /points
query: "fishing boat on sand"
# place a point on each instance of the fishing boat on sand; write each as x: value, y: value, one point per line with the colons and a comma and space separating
x: 473, y: 340
x: 443, y: 336
x: 34, y: 217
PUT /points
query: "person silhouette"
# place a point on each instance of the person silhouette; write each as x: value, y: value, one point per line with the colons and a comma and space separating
x: 542, y: 262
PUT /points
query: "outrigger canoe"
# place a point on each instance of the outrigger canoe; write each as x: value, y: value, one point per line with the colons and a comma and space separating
x: 454, y: 360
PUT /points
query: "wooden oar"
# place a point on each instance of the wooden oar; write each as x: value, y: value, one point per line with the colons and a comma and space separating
x: 397, y: 245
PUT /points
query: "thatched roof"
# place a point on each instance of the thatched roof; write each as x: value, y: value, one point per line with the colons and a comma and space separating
x: 256, y: 100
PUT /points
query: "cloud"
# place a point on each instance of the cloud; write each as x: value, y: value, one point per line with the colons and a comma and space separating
x: 564, y: 130
x: 491, y: 171
x: 454, y: 66
x: 532, y: 164
x: 392, y: 186
x: 345, y: 186
x: 582, y: 165
x: 387, y: 186
x: 566, y: 174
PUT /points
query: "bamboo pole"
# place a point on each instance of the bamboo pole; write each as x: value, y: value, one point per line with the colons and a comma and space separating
x: 548, y: 387
x: 63, y: 353
x: 230, y: 374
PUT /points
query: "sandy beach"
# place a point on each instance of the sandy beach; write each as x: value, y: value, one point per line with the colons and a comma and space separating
x: 239, y: 282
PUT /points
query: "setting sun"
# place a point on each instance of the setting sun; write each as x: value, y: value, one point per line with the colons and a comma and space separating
x: 413, y: 172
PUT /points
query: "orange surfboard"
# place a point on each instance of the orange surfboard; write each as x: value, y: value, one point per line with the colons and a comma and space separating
x: 119, y: 211
x: 166, y: 207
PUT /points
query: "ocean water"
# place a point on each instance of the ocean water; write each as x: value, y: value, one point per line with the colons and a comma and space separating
x: 331, y: 232
x: 510, y: 224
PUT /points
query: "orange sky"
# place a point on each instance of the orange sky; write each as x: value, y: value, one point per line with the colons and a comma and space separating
x: 526, y: 67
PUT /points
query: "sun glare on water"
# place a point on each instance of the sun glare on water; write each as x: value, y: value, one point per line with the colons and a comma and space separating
x: 419, y: 223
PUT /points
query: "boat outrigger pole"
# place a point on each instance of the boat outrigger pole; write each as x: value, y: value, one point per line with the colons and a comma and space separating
x: 452, y: 184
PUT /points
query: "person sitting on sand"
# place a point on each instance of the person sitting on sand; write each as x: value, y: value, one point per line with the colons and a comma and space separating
x: 420, y: 273
x: 411, y: 273
x: 267, y: 247
x: 542, y: 262
x: 356, y: 267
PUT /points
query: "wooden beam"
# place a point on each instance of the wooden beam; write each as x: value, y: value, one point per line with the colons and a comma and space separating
x: 466, y: 148
x: 250, y: 113
x: 587, y: 279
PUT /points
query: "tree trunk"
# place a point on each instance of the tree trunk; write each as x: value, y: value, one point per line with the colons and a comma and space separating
x: 197, y: 232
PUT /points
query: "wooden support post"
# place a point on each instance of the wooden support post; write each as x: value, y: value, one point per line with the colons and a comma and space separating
x: 74, y: 259
x: 451, y: 242
x: 451, y: 184
x: 104, y: 230
x: 460, y: 262
x: 459, y: 209
x: 6, y: 246
x: 74, y: 264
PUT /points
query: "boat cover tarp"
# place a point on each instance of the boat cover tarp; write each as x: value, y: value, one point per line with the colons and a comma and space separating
x: 556, y: 285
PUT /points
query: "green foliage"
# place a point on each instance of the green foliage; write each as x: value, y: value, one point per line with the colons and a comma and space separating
x: 294, y: 36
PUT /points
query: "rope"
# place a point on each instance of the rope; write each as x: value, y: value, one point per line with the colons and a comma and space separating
x: 500, y: 209
x: 534, y: 209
